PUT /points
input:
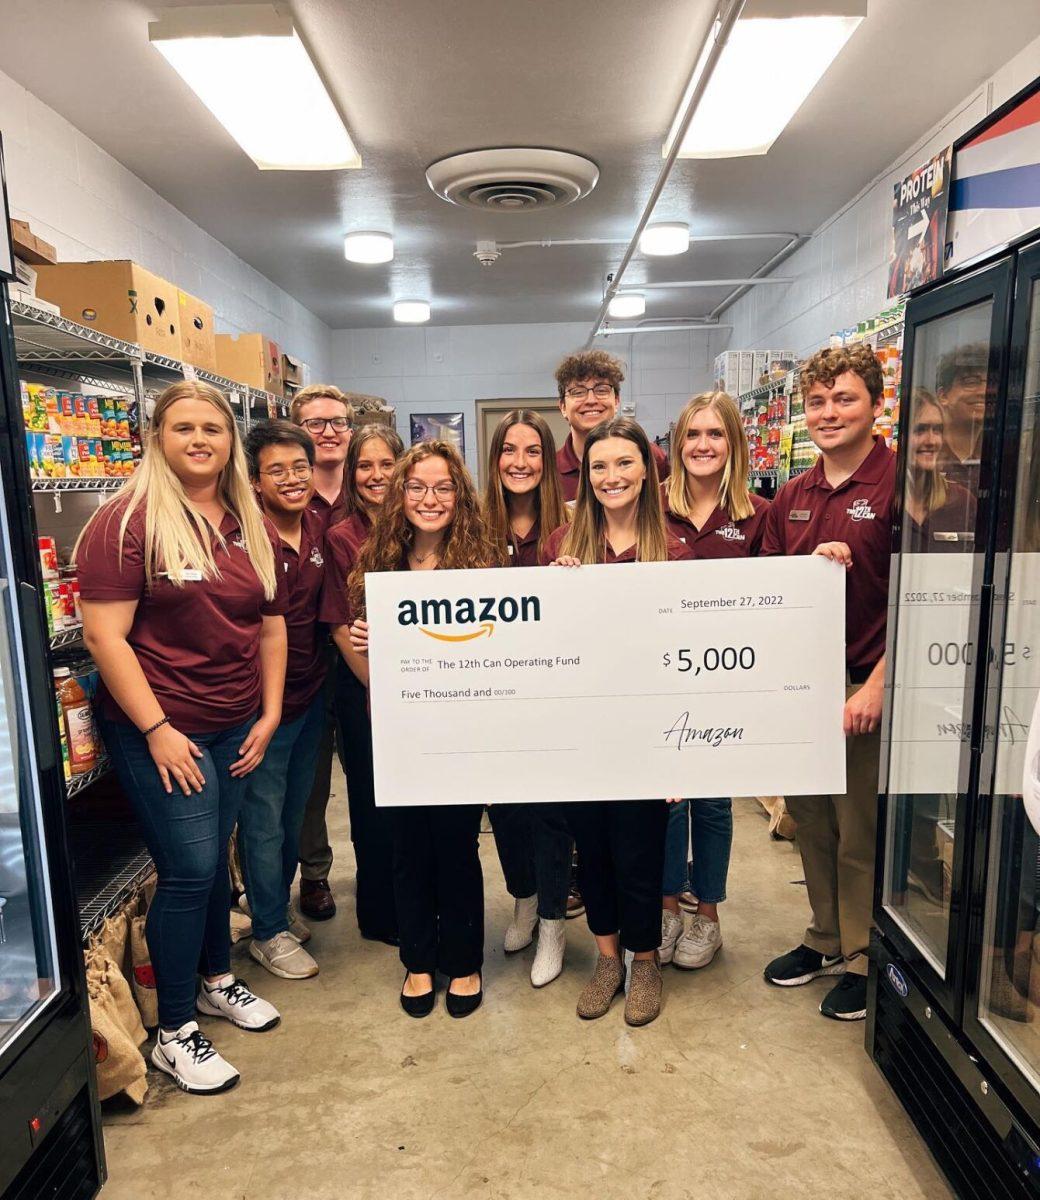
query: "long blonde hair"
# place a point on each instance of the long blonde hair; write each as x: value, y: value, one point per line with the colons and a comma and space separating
x: 930, y: 486
x: 586, y: 538
x: 548, y: 502
x: 177, y: 538
x: 734, y: 494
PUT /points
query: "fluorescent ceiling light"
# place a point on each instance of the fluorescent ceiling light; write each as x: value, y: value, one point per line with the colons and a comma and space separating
x: 665, y: 237
x: 411, y: 312
x: 368, y: 247
x: 766, y: 70
x: 247, y: 64
x: 628, y: 304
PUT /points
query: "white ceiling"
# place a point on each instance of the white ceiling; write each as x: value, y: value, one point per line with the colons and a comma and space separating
x: 420, y: 79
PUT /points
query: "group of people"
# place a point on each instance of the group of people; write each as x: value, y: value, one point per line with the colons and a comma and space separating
x: 223, y: 595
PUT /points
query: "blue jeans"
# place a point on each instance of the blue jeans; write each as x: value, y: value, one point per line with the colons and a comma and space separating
x: 188, y: 928
x: 271, y: 817
x: 712, y: 822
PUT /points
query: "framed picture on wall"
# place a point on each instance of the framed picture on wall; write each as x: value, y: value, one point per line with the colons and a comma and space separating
x: 6, y: 249
x: 440, y: 427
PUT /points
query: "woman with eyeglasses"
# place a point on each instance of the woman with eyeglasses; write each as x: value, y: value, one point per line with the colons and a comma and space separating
x: 431, y: 520
x: 328, y: 416
x: 523, y: 504
x: 374, y: 451
x: 618, y: 519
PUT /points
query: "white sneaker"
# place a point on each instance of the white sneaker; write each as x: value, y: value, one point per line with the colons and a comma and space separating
x: 520, y: 931
x: 297, y: 928
x: 699, y: 944
x: 671, y: 932
x: 548, y: 958
x: 188, y: 1057
x: 233, y: 1001
x: 283, y: 956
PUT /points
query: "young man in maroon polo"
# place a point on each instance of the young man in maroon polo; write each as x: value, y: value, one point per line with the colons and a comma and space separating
x: 281, y: 468
x: 842, y: 508
x: 328, y: 416
x: 589, y: 386
x: 961, y: 392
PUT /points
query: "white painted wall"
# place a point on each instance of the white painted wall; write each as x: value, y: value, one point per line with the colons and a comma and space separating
x: 449, y: 368
x: 841, y: 275
x: 89, y: 206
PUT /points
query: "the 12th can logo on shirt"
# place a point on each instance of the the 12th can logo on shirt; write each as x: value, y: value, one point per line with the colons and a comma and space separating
x: 861, y: 511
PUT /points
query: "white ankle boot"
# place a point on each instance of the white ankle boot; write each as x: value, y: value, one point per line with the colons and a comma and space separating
x: 520, y: 931
x: 548, y: 958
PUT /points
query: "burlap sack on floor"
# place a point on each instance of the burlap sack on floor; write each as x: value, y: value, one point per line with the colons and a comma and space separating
x: 116, y: 1029
x: 142, y: 975
x: 114, y: 936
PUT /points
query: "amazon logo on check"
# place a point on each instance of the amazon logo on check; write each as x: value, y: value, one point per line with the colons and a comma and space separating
x: 467, y: 618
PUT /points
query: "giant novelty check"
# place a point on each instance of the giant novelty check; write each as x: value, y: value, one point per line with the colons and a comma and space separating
x: 721, y: 678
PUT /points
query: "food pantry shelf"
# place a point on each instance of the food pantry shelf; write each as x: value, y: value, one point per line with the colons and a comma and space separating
x: 66, y: 637
x: 78, y: 782
x: 90, y: 483
x: 110, y: 863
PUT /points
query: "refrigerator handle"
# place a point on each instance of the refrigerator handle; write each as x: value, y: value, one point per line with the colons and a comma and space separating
x: 36, y: 661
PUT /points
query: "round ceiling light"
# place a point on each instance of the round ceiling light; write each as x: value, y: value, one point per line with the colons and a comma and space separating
x: 667, y: 237
x: 628, y: 304
x: 411, y: 312
x: 512, y: 178
x: 368, y: 247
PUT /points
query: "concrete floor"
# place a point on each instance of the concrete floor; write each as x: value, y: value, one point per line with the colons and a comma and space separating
x: 738, y: 1091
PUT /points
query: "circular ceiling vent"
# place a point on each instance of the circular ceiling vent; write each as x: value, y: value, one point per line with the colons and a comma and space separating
x: 512, y: 180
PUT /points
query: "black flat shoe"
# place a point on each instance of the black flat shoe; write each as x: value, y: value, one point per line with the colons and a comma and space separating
x: 418, y: 1006
x: 462, y: 1006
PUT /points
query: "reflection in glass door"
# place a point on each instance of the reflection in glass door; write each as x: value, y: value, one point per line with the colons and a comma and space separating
x: 1009, y: 995
x: 936, y: 615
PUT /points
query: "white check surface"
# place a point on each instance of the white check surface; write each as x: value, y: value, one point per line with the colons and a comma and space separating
x: 640, y: 681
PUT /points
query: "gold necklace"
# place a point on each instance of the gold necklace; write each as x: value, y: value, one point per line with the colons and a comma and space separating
x: 420, y: 559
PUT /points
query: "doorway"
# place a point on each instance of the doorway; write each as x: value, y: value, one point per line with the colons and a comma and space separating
x: 490, y: 412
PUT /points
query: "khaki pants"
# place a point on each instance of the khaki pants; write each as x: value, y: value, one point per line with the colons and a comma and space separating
x: 837, y: 841
x: 315, y: 850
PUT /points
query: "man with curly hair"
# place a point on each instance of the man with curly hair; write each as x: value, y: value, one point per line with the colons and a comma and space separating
x: 589, y: 386
x: 842, y: 509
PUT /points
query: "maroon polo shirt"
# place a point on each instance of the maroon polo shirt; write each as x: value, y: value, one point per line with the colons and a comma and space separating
x: 197, y: 643
x: 304, y: 574
x: 677, y: 551
x: 963, y: 472
x: 948, y: 530
x: 343, y: 544
x: 808, y: 511
x: 523, y: 552
x: 720, y: 537
x: 569, y: 466
x: 331, y: 514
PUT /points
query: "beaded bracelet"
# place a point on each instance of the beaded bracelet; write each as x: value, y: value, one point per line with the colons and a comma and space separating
x: 157, y: 725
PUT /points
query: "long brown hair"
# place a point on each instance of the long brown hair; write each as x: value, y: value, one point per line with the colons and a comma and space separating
x: 466, y: 543
x: 734, y: 494
x: 367, y: 433
x: 550, y: 510
x: 586, y: 538
x: 177, y: 538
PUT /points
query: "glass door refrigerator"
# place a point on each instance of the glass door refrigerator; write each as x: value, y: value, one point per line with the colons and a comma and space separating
x: 954, y: 1013
x: 50, y: 1126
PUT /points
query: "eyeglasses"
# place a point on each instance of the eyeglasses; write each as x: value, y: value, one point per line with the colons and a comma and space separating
x: 280, y: 474
x: 417, y: 490
x: 602, y: 391
x: 318, y: 424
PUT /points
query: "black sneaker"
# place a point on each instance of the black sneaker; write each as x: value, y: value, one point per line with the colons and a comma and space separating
x: 802, y: 966
x: 847, y: 1000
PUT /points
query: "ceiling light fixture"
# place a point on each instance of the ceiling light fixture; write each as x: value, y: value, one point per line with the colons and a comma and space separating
x: 368, y: 247
x: 628, y: 305
x: 749, y: 101
x: 411, y: 312
x: 247, y: 64
x: 665, y: 237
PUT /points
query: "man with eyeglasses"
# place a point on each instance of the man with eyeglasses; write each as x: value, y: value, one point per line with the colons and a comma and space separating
x: 281, y: 466
x: 961, y: 378
x: 589, y: 385
x: 328, y: 416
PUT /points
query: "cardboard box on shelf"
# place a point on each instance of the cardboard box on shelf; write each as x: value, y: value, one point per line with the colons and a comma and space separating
x: 119, y: 298
x: 26, y: 276
x: 33, y: 301
x: 198, y: 346
x: 295, y: 373
x: 252, y: 359
x: 28, y: 247
x: 746, y: 380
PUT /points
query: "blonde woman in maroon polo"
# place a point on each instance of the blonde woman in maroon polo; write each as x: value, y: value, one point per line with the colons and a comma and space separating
x: 183, y: 596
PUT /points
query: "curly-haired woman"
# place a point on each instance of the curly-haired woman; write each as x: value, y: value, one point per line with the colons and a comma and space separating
x: 431, y: 520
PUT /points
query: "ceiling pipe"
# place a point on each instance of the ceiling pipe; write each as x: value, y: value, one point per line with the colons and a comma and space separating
x: 636, y: 288
x: 545, y: 243
x: 725, y: 18
x: 797, y: 239
x: 693, y: 325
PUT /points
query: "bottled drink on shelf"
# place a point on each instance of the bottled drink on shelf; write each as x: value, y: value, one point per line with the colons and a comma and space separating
x: 78, y: 721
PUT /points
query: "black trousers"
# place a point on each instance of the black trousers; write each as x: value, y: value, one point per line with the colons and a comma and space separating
x: 371, y: 828
x: 534, y: 847
x: 439, y: 888
x: 620, y: 864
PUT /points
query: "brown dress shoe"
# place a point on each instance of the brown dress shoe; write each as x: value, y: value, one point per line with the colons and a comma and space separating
x: 316, y: 899
x: 644, y: 992
x: 607, y: 981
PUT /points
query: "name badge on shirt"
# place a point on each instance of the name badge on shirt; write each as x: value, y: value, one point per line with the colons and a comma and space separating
x: 799, y: 514
x: 188, y: 575
x: 510, y: 549
x: 949, y: 536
